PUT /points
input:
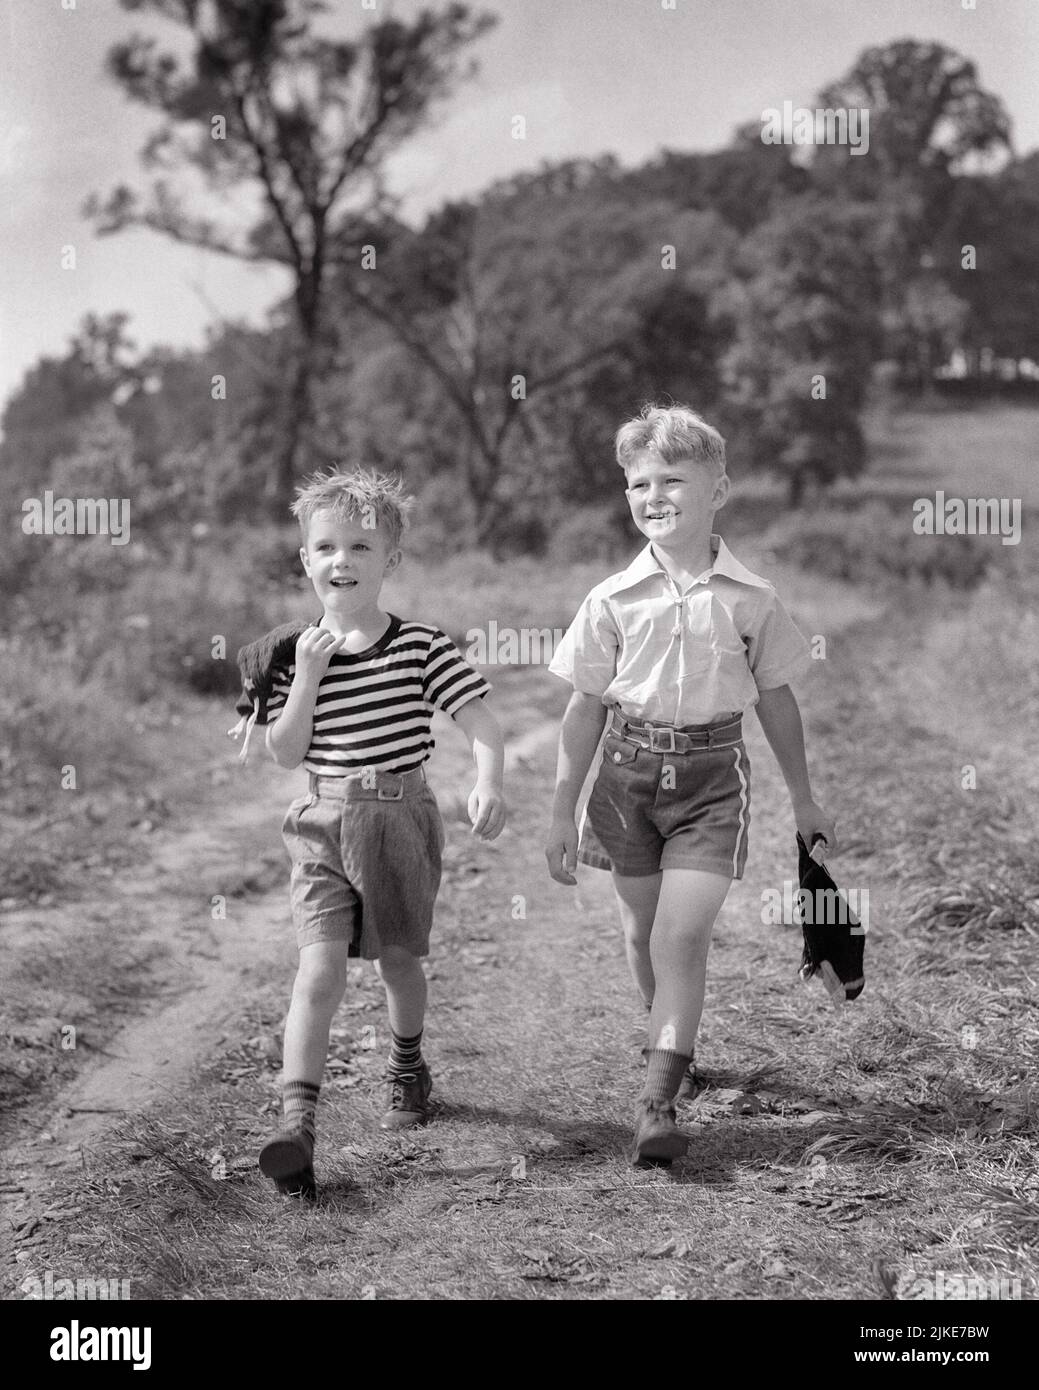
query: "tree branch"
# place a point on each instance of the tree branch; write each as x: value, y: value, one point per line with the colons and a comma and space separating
x: 416, y: 344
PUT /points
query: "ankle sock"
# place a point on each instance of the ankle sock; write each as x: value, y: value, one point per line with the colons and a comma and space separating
x: 664, y: 1073
x: 299, y: 1102
x: 405, y: 1054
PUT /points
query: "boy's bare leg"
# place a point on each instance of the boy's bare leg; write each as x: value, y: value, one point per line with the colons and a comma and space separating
x: 405, y: 983
x: 637, y: 904
x: 688, y: 904
x: 318, y: 988
x: 407, y: 1073
x: 686, y: 908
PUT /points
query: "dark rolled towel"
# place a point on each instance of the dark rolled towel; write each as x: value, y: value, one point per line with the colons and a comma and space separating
x: 257, y: 662
x: 833, y: 937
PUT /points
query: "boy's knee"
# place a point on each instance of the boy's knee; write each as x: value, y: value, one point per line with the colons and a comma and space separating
x: 395, y: 963
x: 688, y: 932
x: 637, y: 927
x: 320, y: 983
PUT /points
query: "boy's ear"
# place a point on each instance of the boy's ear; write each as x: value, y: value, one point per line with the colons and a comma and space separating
x: 721, y: 492
x: 305, y: 559
x: 393, y: 559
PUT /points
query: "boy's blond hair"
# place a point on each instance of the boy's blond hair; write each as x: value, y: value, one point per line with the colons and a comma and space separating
x: 377, y: 498
x: 675, y: 432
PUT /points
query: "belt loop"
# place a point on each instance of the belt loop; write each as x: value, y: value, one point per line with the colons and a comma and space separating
x: 313, y: 783
x: 729, y: 730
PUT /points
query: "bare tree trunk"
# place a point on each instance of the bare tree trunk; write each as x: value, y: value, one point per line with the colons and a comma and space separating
x: 290, y: 462
x: 795, y: 488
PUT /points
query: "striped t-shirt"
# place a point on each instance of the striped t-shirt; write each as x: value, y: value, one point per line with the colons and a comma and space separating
x: 374, y: 707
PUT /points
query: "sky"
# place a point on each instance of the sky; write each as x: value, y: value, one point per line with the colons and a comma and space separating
x: 589, y: 76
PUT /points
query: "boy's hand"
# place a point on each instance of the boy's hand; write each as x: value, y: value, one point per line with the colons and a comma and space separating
x: 812, y: 820
x: 561, y: 851
x: 487, y: 811
x: 314, y: 650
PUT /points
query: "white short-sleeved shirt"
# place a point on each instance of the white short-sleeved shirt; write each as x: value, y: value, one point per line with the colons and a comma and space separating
x: 681, y: 658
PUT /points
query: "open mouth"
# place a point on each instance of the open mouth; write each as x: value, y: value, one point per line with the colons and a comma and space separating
x: 667, y: 515
x: 343, y: 583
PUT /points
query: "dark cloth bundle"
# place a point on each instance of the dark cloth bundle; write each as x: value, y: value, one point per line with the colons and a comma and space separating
x: 833, y: 937
x: 257, y: 662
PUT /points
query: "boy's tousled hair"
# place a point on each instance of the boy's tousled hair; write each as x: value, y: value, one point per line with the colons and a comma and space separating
x: 675, y: 432
x: 378, y: 498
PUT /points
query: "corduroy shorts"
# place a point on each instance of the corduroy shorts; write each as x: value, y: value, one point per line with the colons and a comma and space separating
x: 366, y: 863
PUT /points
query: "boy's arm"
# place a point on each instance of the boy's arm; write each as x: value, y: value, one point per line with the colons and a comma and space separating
x: 781, y: 720
x: 289, y: 738
x: 578, y: 739
x: 486, y: 801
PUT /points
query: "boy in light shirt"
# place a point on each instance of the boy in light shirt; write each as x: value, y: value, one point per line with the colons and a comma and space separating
x: 673, y: 650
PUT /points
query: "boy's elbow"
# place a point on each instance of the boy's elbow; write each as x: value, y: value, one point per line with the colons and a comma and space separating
x: 277, y: 753
x: 587, y: 707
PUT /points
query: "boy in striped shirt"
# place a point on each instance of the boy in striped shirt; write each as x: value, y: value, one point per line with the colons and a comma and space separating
x: 354, y: 705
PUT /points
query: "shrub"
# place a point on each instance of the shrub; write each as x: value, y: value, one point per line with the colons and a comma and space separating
x: 590, y: 533
x: 873, y: 544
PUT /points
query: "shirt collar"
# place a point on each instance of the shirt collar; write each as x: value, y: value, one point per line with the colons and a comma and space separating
x: 646, y: 563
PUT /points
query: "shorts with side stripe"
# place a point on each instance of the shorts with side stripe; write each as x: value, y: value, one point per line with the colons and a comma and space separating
x: 652, y: 811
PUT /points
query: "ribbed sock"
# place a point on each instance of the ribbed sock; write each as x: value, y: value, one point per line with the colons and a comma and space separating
x: 405, y: 1054
x: 664, y: 1074
x: 299, y: 1102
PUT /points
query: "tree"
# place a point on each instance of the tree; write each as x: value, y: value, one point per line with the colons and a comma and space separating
x: 805, y: 306
x: 929, y: 121
x: 927, y: 110
x: 276, y: 118
x: 43, y: 418
x: 743, y: 184
x: 1002, y: 290
x: 514, y: 305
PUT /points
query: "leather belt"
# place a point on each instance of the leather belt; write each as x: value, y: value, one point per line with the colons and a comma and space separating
x: 664, y: 738
x: 369, y: 784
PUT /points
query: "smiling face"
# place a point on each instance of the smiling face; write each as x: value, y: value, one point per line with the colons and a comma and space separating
x: 673, y: 504
x: 347, y: 563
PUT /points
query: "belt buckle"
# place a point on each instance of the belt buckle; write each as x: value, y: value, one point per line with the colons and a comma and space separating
x: 653, y: 745
x: 384, y: 795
